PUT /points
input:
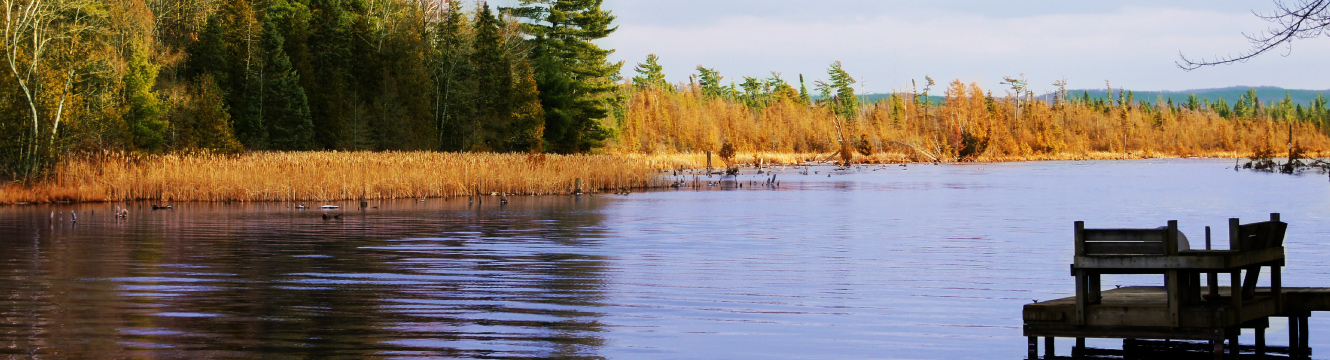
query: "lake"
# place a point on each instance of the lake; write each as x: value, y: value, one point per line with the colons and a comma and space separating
x: 915, y: 262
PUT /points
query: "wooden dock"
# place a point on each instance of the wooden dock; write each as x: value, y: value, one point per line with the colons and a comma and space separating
x: 1183, y: 308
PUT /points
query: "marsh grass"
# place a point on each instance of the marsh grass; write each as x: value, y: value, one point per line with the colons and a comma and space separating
x: 970, y: 125
x: 324, y: 176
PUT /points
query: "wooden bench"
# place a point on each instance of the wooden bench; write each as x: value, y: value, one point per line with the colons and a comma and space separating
x: 1155, y: 251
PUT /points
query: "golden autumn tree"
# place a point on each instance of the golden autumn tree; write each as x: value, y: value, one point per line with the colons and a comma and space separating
x: 44, y: 43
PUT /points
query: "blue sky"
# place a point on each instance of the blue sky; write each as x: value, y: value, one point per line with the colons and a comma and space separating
x: 885, y: 44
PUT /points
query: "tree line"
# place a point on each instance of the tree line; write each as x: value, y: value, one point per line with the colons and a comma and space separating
x: 225, y: 76
x: 153, y: 76
x: 967, y: 123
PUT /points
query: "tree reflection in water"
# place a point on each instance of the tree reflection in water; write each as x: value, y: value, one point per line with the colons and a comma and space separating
x: 435, y: 278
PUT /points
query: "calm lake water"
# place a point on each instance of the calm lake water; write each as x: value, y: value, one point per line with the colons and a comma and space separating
x: 925, y: 261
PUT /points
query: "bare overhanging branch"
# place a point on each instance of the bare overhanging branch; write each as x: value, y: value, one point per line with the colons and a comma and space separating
x: 1305, y: 19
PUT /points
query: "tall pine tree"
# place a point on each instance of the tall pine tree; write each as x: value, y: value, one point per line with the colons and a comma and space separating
x: 452, y: 80
x: 493, y: 84
x: 528, y: 118
x: 285, y: 109
x: 335, y: 108
x: 650, y: 74
x: 145, y: 110
x: 573, y: 74
x: 452, y: 46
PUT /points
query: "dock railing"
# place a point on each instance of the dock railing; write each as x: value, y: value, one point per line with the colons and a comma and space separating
x: 1156, y: 251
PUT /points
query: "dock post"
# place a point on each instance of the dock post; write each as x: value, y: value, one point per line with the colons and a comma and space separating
x: 1260, y: 342
x: 1233, y: 341
x: 1217, y: 348
x: 1034, y: 347
x: 1212, y: 278
x: 1049, y: 351
x: 1293, y: 343
x: 1303, y: 348
x: 1079, y: 348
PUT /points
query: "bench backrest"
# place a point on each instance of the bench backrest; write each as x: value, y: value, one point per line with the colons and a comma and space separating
x: 1164, y: 241
x: 1257, y: 236
x: 1120, y: 242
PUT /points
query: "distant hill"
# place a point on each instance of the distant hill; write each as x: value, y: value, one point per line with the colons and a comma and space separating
x: 1230, y: 94
x: 872, y: 98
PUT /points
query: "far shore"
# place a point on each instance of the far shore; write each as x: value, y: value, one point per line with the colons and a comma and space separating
x: 331, y: 175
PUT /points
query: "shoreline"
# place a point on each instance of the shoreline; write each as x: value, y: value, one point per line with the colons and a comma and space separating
x: 340, y: 176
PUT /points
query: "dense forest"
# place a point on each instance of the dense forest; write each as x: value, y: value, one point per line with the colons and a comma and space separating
x: 154, y: 76
x: 227, y: 76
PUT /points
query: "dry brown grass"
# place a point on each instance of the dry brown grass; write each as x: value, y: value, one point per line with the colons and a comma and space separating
x: 321, y: 176
x: 901, y: 130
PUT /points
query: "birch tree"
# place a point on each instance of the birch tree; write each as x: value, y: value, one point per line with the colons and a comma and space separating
x: 35, y: 33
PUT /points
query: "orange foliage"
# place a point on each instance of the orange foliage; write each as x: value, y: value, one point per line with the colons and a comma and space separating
x: 970, y: 125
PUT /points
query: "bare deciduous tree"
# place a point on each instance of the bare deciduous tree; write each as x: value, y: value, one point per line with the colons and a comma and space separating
x: 1304, y: 19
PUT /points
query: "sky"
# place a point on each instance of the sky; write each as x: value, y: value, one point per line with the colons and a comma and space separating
x: 885, y: 44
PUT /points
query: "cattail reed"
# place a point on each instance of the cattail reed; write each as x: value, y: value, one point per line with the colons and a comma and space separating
x: 322, y: 176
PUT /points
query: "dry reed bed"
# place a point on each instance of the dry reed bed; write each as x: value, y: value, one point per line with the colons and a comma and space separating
x: 325, y: 176
x: 687, y: 122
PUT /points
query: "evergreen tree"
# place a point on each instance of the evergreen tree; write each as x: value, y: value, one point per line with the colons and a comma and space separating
x: 528, y: 118
x: 451, y: 77
x: 247, y: 108
x: 709, y: 81
x: 839, y: 92
x: 804, y: 97
x: 781, y: 90
x: 229, y: 50
x: 1320, y: 113
x: 753, y: 96
x: 334, y: 104
x: 650, y: 74
x: 493, y: 84
x: 284, y: 109
x: 208, y: 54
x: 145, y: 110
x: 573, y: 74
x: 1221, y: 108
x: 206, y: 123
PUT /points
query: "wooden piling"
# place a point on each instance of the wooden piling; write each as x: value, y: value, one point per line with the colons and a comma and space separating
x: 1233, y: 341
x: 1049, y: 347
x: 1303, y: 348
x: 1034, y: 347
x: 1211, y: 278
x: 1260, y: 341
x: 1293, y: 343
